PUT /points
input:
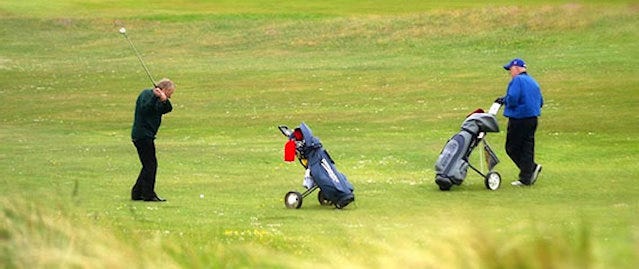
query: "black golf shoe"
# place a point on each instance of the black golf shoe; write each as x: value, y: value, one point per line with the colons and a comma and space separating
x: 155, y: 199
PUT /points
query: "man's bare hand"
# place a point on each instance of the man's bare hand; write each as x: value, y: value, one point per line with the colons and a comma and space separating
x: 160, y: 94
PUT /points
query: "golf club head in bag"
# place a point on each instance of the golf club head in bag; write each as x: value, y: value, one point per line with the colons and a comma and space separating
x: 290, y: 148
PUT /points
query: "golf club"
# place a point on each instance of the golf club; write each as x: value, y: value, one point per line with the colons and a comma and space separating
x: 123, y: 32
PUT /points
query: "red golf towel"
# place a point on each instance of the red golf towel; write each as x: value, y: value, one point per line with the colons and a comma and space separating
x: 289, y: 151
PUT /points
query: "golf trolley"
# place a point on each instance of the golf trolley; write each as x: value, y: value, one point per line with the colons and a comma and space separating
x: 334, y: 188
x: 453, y: 161
x: 293, y: 199
x: 492, y: 179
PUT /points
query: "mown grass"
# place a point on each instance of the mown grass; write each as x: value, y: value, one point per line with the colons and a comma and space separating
x: 383, y: 88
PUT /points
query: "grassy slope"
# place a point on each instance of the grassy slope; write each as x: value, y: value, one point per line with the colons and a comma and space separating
x: 384, y: 92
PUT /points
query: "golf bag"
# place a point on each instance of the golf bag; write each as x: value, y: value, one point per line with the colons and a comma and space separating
x: 452, y: 165
x: 320, y: 169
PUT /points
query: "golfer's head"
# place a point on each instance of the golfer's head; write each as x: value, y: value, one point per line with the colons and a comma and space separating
x: 516, y: 66
x: 167, y: 86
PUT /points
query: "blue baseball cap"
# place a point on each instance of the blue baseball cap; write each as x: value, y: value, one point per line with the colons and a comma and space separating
x: 515, y: 62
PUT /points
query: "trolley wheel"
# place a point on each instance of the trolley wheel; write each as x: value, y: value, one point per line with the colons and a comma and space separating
x: 322, y: 200
x: 293, y: 199
x: 492, y: 181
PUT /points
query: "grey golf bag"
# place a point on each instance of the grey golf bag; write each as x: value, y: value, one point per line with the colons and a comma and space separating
x: 453, y: 163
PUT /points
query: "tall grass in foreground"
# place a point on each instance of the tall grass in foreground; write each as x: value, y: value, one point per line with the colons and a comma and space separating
x: 33, y: 235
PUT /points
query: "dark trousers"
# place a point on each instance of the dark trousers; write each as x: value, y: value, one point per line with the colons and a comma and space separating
x: 520, y: 146
x: 145, y: 185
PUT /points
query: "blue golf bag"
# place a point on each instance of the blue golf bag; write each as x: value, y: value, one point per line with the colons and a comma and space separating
x: 320, y: 170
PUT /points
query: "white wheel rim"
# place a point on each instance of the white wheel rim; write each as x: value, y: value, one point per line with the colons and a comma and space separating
x: 292, y: 199
x: 493, y: 181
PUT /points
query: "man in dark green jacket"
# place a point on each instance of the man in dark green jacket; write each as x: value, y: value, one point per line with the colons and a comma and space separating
x: 149, y: 108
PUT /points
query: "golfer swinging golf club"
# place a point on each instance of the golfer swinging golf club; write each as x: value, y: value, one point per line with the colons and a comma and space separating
x: 149, y: 108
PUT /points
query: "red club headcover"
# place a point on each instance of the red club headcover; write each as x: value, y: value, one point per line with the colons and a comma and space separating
x: 289, y: 151
x: 298, y: 134
x: 479, y: 110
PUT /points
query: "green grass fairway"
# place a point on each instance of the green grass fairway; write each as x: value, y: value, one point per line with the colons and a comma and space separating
x: 384, y: 84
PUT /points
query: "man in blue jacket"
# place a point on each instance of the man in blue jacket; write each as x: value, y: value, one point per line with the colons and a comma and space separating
x: 149, y: 108
x: 523, y: 102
